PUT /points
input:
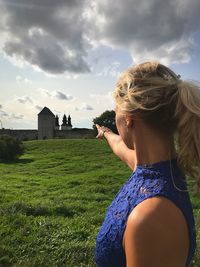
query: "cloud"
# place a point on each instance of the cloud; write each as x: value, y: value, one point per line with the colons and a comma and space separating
x: 20, y: 79
x: 59, y: 36
x: 111, y: 70
x: 44, y: 92
x: 11, y: 116
x: 148, y: 29
x: 103, y: 98
x: 60, y: 95
x: 24, y: 100
x: 39, y: 108
x: 3, y: 113
x: 48, y: 35
x: 56, y: 94
x: 84, y: 107
x: 87, y: 107
x: 17, y: 116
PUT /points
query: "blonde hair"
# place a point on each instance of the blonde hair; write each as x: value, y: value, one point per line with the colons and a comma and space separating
x: 155, y: 94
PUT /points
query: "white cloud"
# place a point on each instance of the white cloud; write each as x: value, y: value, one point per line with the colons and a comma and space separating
x: 27, y: 81
x: 174, y: 52
x: 44, y: 92
x: 112, y: 70
x: 20, y: 79
x: 103, y: 98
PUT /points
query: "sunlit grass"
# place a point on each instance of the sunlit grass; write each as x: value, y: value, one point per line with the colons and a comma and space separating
x: 54, y: 200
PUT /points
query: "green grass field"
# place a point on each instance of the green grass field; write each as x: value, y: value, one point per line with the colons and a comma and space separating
x: 54, y: 200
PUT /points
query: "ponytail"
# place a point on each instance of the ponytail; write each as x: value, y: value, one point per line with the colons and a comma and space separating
x: 188, y: 129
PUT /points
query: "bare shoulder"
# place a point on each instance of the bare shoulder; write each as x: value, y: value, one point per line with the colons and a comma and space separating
x: 156, y: 232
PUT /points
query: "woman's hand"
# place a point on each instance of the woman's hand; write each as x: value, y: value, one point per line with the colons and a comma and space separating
x: 118, y: 146
x: 101, y: 130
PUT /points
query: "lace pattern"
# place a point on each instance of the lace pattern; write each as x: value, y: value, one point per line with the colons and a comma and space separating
x: 142, y: 184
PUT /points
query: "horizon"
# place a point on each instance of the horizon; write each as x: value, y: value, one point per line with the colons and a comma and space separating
x: 59, y: 120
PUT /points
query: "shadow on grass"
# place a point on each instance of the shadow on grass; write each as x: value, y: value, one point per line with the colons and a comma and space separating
x: 39, y: 210
x: 16, y: 161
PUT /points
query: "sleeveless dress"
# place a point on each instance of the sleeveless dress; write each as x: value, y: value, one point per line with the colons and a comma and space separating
x: 145, y: 182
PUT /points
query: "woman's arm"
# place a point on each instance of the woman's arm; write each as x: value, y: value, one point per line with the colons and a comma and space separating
x: 118, y: 146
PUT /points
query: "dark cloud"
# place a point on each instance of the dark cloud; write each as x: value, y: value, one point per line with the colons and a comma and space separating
x: 48, y: 34
x: 3, y: 113
x: 39, y: 108
x: 24, y: 100
x: 62, y: 96
x: 0, y: 106
x: 83, y: 107
x: 56, y: 94
x: 154, y: 28
x: 57, y: 36
x: 87, y: 107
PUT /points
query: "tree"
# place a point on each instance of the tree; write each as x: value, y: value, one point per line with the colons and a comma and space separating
x: 69, y: 121
x: 107, y: 118
x: 10, y: 148
x: 64, y: 120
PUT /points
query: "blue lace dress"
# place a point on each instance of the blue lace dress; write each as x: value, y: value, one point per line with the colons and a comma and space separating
x: 145, y: 182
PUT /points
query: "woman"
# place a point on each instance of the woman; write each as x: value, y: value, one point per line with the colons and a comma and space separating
x: 150, y: 222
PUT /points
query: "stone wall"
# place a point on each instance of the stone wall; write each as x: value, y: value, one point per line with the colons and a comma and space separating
x: 21, y: 134
x: 76, y: 133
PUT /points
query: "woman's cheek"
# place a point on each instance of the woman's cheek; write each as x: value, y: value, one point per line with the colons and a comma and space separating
x: 119, y: 124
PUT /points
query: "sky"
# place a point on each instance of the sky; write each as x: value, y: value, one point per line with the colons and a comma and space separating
x: 68, y: 54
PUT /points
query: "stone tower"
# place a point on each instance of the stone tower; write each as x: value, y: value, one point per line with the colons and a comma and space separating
x: 46, y: 124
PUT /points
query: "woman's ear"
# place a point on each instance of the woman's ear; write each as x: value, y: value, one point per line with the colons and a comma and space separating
x: 129, y: 121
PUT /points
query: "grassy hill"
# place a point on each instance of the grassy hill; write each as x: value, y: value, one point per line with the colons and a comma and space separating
x: 54, y: 199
